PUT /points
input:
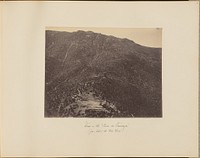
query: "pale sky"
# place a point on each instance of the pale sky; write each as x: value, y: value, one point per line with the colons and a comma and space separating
x: 151, y: 37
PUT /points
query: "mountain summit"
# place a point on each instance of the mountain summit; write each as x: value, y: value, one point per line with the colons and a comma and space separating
x: 89, y: 74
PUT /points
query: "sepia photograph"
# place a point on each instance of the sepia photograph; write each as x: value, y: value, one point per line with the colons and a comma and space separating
x: 99, y: 79
x: 103, y: 72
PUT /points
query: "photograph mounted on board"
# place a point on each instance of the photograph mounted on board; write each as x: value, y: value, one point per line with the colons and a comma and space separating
x: 103, y: 72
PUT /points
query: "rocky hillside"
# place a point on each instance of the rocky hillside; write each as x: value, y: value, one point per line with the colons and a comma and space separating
x: 89, y: 74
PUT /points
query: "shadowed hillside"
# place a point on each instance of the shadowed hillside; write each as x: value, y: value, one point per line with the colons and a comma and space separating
x: 89, y: 74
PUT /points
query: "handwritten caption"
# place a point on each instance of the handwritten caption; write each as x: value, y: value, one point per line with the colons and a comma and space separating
x: 117, y: 127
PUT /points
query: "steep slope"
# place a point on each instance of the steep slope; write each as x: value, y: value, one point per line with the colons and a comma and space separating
x: 93, y: 75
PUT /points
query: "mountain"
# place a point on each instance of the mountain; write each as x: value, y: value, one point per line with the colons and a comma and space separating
x: 89, y: 74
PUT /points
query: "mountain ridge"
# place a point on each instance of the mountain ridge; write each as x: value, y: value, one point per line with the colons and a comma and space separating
x: 122, y: 38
